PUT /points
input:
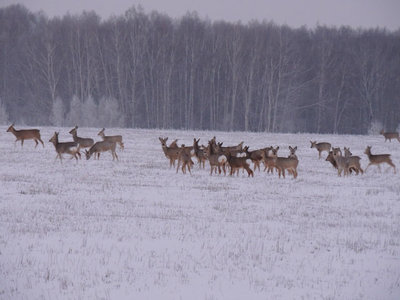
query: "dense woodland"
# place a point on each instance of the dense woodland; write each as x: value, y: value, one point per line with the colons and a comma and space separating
x: 148, y: 70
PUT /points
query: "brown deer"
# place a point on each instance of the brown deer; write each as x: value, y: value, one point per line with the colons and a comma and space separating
x: 321, y: 147
x: 331, y: 159
x: 353, y: 161
x: 237, y: 163
x: 377, y: 159
x: 82, y: 142
x: 199, y: 153
x: 341, y: 162
x: 185, y: 159
x: 216, y: 158
x: 233, y: 150
x: 286, y: 163
x: 256, y: 157
x: 101, y: 146
x: 390, y: 135
x: 70, y: 148
x: 25, y: 134
x: 112, y: 138
x: 171, y: 153
x: 174, y: 144
x: 269, y: 162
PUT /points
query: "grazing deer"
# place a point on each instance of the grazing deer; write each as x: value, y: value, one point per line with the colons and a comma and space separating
x: 184, y: 157
x: 321, y: 147
x: 353, y: 161
x: 237, y: 163
x: 216, y: 159
x: 269, y: 162
x: 82, y: 142
x: 285, y: 163
x: 25, y: 134
x: 199, y: 153
x: 112, y: 138
x: 70, y: 148
x: 377, y: 159
x: 102, y: 146
x: 171, y: 153
x: 390, y: 135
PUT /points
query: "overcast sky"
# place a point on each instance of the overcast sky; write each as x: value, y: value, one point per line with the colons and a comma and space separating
x: 295, y: 13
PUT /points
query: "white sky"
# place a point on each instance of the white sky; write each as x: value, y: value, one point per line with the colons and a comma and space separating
x: 295, y: 13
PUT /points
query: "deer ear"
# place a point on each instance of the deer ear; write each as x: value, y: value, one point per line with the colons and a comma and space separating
x: 295, y: 148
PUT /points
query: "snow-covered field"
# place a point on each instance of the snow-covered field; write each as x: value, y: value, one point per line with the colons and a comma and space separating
x: 135, y: 229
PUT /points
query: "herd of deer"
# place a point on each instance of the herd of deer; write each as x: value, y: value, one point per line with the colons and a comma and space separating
x: 220, y: 157
x: 239, y: 157
x: 72, y: 148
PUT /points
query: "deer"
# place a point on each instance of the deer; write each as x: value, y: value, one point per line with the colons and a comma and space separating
x: 256, y: 157
x: 233, y: 150
x: 341, y: 162
x: 286, y: 163
x: 82, y: 142
x: 185, y: 158
x: 102, y: 146
x: 171, y: 153
x: 237, y: 163
x: 378, y: 159
x: 174, y: 144
x: 25, y: 134
x: 112, y: 138
x: 199, y: 153
x: 323, y: 146
x: 70, y: 148
x: 390, y: 135
x: 216, y: 158
x: 269, y: 162
x: 353, y: 161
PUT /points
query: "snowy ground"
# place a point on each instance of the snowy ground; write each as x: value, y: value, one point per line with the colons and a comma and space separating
x: 135, y: 229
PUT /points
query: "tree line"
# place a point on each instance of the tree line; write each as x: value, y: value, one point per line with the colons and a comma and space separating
x: 154, y: 71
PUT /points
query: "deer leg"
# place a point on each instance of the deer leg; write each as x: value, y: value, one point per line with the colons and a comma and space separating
x: 36, y: 143
x: 379, y: 167
x: 22, y: 142
x: 40, y: 140
x: 392, y: 165
x: 367, y: 168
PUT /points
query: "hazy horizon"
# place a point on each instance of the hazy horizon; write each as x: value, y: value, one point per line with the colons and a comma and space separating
x: 356, y: 14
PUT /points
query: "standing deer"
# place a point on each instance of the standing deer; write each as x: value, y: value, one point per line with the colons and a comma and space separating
x: 237, y: 163
x: 199, y: 153
x: 25, y: 134
x: 390, y: 135
x: 321, y: 147
x: 216, y: 158
x: 341, y: 162
x: 377, y: 159
x: 184, y: 157
x: 353, y: 161
x: 268, y: 159
x: 112, y: 138
x: 70, y: 148
x: 171, y: 153
x: 256, y: 157
x: 102, y: 146
x: 286, y: 163
x: 82, y: 142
